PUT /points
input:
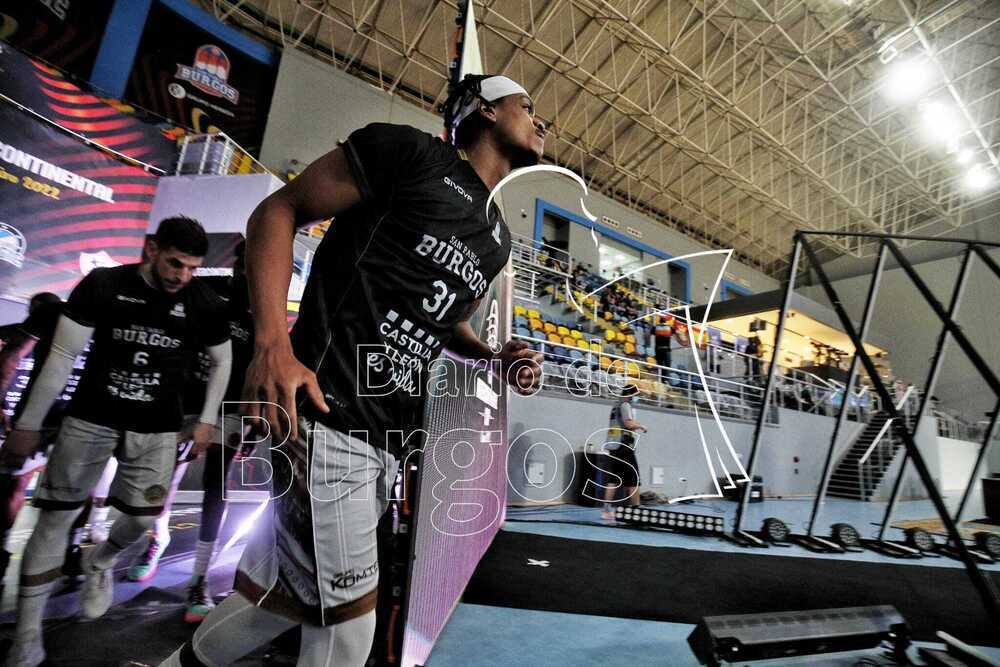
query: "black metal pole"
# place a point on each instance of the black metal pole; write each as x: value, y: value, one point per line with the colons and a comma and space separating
x: 769, y: 386
x: 852, y: 374
x: 901, y: 237
x: 984, y: 585
x: 987, y: 260
x: 929, y: 386
x: 983, y: 451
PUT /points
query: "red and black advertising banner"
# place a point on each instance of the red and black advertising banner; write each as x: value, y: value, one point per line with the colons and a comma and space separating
x: 65, y: 33
x: 186, y: 74
x: 65, y: 206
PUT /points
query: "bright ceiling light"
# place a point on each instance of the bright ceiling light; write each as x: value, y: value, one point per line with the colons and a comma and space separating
x: 906, y: 80
x: 965, y: 156
x: 940, y: 122
x: 978, y: 178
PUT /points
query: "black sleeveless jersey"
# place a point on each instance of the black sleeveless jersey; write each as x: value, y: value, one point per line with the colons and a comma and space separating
x: 144, y: 342
x: 393, y: 277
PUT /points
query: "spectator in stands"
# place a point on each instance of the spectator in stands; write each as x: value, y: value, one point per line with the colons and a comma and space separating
x: 752, y: 358
x: 621, y: 446
x: 663, y: 338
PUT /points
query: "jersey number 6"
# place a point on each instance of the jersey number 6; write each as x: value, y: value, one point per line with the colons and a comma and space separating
x: 140, y: 358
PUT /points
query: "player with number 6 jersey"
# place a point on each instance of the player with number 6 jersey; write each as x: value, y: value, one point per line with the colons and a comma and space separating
x: 147, y: 322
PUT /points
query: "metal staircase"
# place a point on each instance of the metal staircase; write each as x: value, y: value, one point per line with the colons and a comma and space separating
x: 860, y: 471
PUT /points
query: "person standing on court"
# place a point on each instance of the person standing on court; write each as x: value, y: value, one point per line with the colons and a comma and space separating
x: 147, y: 320
x: 622, y: 441
x: 411, y: 253
x: 227, y: 442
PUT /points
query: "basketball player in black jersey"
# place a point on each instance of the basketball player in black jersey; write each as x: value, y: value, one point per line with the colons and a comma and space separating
x: 146, y: 320
x: 410, y: 254
x: 227, y: 442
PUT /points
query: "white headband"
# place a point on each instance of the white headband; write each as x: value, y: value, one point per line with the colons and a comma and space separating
x: 490, y: 90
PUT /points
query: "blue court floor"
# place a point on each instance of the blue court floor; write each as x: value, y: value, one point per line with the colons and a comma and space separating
x: 583, y: 523
x: 546, y: 639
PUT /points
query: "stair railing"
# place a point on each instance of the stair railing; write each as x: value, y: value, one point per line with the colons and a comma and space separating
x: 865, y: 475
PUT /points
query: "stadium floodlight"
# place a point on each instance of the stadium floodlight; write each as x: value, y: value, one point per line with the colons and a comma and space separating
x: 965, y: 156
x: 906, y: 79
x: 940, y: 121
x: 978, y: 178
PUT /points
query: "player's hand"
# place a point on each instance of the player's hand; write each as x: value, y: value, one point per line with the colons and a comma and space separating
x: 201, y: 434
x: 22, y: 443
x: 642, y: 429
x: 521, y: 366
x: 272, y: 380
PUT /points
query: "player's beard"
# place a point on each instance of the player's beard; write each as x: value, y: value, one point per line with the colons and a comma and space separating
x: 159, y: 283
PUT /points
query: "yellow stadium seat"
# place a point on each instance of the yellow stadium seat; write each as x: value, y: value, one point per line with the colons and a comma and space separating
x: 583, y: 345
x: 520, y: 310
x: 632, y: 369
x: 569, y: 340
x: 535, y: 323
x: 563, y: 331
x: 630, y: 338
x: 534, y: 314
x: 595, y: 347
x: 576, y: 333
x: 554, y: 338
x: 549, y: 289
x: 560, y: 297
x: 605, y: 363
x: 610, y: 335
x: 550, y: 328
x: 629, y: 349
x: 608, y: 315
x: 622, y: 325
x: 651, y: 360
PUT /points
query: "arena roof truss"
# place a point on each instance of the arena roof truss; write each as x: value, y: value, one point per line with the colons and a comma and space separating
x: 736, y: 122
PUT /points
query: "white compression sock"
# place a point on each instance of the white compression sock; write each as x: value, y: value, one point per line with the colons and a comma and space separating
x: 98, y: 514
x: 31, y: 606
x: 202, y: 559
x: 161, y: 529
x: 42, y: 557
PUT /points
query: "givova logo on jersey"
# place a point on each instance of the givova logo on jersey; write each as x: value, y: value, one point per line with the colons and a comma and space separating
x: 209, y: 73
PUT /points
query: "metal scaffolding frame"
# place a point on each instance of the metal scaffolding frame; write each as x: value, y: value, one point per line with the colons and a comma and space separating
x: 737, y: 122
x: 888, y: 245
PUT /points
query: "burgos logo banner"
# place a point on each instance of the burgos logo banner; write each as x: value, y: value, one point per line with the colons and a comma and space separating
x: 209, y: 73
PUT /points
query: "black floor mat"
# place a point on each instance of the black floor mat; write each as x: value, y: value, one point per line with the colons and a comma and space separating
x: 682, y: 585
